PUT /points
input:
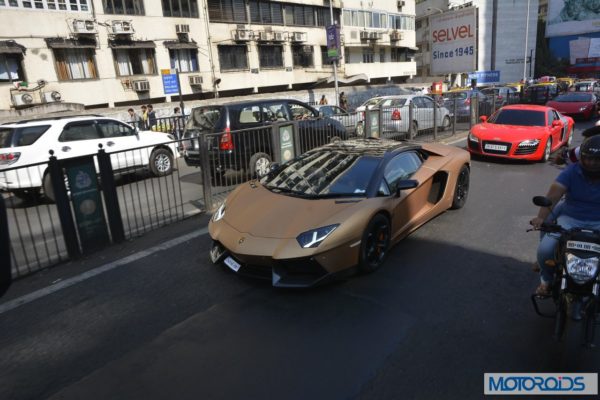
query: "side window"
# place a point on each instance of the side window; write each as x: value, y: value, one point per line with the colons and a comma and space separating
x: 300, y: 112
x: 79, y: 131
x: 276, y: 112
x: 555, y: 115
x: 427, y: 103
x: 550, y: 117
x: 401, y: 167
x: 28, y: 136
x: 327, y: 111
x: 418, y: 102
x: 250, y: 115
x: 113, y: 129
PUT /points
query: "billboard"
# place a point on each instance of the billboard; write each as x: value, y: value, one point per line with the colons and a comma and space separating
x: 453, y: 41
x: 572, y: 17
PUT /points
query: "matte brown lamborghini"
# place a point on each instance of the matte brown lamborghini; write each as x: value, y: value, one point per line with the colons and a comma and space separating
x: 335, y: 209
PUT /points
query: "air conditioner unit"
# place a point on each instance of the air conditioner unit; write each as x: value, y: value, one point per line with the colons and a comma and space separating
x: 141, y: 86
x: 195, y: 80
x: 51, y: 97
x: 364, y: 35
x: 264, y: 36
x: 394, y: 36
x: 84, y: 26
x: 374, y: 35
x: 121, y: 28
x: 278, y: 36
x: 182, y: 28
x: 22, y: 99
x: 401, y: 3
x: 243, y: 35
x: 298, y: 36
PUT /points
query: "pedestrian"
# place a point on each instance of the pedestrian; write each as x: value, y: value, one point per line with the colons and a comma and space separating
x: 343, y: 101
x: 177, y: 118
x: 144, y: 118
x: 134, y: 119
x: 151, y: 116
x: 323, y: 100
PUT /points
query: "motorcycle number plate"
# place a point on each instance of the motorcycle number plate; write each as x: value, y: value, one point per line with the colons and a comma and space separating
x: 231, y: 263
x: 585, y: 246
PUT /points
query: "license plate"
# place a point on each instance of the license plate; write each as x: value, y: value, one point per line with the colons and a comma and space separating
x: 231, y: 263
x: 498, y: 147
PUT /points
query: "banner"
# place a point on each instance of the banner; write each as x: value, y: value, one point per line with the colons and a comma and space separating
x: 572, y: 17
x: 453, y: 41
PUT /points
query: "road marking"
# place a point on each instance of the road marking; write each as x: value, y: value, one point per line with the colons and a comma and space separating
x: 38, y: 294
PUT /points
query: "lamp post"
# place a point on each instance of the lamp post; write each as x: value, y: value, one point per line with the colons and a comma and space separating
x: 526, y: 39
x: 335, y: 78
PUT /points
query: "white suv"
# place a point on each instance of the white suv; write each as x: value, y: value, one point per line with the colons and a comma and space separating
x: 27, y: 144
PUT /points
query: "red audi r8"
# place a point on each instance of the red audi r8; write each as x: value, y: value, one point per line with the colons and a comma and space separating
x: 521, y: 131
x: 576, y: 104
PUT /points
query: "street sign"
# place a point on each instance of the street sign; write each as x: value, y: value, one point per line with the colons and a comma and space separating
x: 286, y: 137
x: 333, y: 42
x: 485, y: 76
x: 170, y: 82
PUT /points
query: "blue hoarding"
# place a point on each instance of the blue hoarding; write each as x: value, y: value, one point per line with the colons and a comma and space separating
x: 485, y: 76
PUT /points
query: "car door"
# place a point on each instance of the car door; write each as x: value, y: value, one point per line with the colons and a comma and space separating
x: 408, y: 205
x: 78, y: 138
x: 425, y: 120
x: 554, y: 131
x: 120, y: 140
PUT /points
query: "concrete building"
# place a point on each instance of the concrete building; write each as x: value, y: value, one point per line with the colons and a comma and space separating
x: 506, y: 37
x: 112, y: 53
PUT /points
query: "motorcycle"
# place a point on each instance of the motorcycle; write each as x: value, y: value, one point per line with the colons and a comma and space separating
x: 576, y: 280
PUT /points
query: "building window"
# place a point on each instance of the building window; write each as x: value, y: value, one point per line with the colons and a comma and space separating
x: 399, y: 54
x: 266, y: 12
x: 123, y: 7
x: 381, y: 55
x: 74, y: 64
x: 368, y: 55
x: 227, y: 11
x: 303, y: 56
x: 134, y: 62
x: 11, y: 68
x: 186, y: 60
x: 180, y: 8
x: 347, y: 55
x: 60, y: 5
x: 233, y: 57
x: 324, y: 58
x: 270, y: 56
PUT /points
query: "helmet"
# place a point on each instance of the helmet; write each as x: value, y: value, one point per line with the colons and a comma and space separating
x: 589, y: 154
x: 594, y: 130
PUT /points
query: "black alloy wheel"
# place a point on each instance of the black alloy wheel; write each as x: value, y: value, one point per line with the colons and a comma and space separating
x: 375, y: 243
x: 461, y: 192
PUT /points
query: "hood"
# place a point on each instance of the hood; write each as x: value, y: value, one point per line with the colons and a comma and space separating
x: 487, y: 131
x: 572, y: 106
x: 262, y: 213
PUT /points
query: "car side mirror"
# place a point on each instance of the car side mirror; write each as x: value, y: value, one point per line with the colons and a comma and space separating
x: 483, y: 118
x: 556, y: 123
x: 406, y: 184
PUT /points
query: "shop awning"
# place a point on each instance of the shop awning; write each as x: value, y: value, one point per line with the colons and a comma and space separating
x: 11, y: 47
x: 176, y: 45
x: 131, y: 44
x: 62, y: 43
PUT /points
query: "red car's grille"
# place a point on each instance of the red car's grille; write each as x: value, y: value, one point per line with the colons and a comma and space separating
x: 521, y: 151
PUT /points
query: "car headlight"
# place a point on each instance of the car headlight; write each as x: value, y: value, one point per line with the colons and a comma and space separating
x: 581, y: 270
x: 473, y: 138
x: 529, y: 143
x: 584, y: 108
x: 219, y: 214
x: 313, y: 238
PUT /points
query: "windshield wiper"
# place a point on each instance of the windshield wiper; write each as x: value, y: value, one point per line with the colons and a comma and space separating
x: 278, y: 189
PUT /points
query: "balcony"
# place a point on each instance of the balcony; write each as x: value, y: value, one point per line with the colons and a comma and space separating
x: 381, y: 70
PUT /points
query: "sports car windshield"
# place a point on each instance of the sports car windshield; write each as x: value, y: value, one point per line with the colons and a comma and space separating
x: 321, y: 174
x: 574, y: 97
x: 519, y: 117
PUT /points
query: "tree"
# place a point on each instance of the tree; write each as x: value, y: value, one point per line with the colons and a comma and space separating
x: 545, y: 62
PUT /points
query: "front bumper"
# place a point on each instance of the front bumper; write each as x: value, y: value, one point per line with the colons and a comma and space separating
x: 500, y: 149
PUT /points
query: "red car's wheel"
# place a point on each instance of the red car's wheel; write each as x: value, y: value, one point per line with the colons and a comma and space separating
x: 547, y: 150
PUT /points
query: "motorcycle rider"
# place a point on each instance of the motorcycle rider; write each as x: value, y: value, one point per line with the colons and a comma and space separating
x: 580, y: 183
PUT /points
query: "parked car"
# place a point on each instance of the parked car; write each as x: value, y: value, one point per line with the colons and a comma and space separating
x: 576, y: 104
x: 503, y: 95
x: 335, y: 208
x: 541, y: 93
x: 521, y: 131
x: 28, y: 142
x: 339, y: 114
x: 462, y: 98
x: 396, y: 114
x: 239, y: 134
x: 586, y: 86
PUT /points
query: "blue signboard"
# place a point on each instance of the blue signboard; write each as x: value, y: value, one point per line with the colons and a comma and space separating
x: 485, y: 76
x: 333, y: 42
x: 170, y: 83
